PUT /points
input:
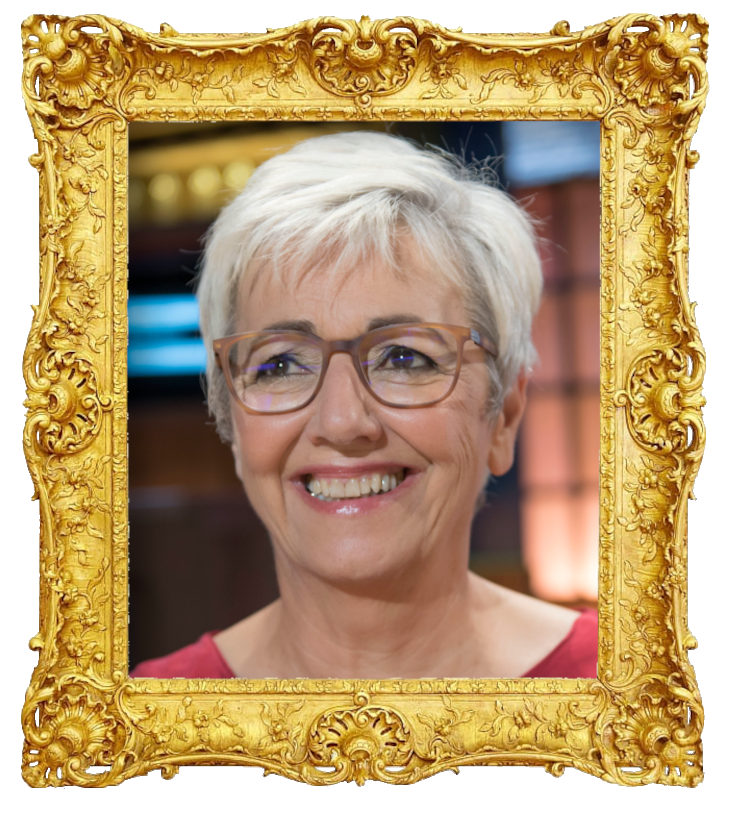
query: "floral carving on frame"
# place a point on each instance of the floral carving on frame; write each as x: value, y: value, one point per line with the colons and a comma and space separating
x: 644, y: 79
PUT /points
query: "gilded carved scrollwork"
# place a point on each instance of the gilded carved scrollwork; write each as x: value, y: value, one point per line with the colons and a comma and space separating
x: 664, y: 402
x: 564, y: 73
x: 656, y: 736
x: 654, y: 66
x: 644, y: 78
x: 365, y: 59
x: 71, y: 66
x: 67, y: 403
x: 361, y: 742
x: 69, y: 728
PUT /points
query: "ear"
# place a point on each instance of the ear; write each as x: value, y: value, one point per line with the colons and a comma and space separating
x: 237, y: 460
x: 503, y: 438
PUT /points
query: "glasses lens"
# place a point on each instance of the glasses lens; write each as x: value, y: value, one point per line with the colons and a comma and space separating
x: 275, y: 372
x: 410, y: 365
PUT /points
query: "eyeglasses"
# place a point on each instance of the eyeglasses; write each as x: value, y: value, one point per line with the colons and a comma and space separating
x: 405, y: 366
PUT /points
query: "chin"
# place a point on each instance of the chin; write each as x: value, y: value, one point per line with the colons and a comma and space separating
x: 360, y: 563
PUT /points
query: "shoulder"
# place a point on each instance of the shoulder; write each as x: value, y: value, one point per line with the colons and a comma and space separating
x: 577, y: 655
x: 515, y: 631
x: 252, y: 646
x: 201, y: 660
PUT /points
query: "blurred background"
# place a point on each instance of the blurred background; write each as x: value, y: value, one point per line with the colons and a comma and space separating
x: 200, y: 558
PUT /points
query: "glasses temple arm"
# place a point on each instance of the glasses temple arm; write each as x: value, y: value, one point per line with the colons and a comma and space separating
x: 483, y: 342
x: 217, y: 356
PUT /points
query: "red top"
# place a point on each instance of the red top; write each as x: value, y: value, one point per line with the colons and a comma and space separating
x: 573, y: 658
x: 576, y: 656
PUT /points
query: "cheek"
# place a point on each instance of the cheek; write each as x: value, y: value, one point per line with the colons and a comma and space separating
x: 262, y: 445
x: 453, y: 439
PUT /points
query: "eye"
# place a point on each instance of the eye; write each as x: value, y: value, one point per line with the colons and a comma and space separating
x: 400, y: 357
x: 275, y: 367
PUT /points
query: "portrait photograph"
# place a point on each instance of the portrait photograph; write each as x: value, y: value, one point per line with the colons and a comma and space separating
x: 536, y: 524
x: 387, y: 427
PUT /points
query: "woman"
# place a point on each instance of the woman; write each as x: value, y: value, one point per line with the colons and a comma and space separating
x: 367, y: 306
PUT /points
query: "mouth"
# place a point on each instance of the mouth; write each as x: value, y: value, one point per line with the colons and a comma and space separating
x: 340, y: 489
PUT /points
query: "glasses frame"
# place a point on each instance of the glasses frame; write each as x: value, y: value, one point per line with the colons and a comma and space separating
x: 328, y: 348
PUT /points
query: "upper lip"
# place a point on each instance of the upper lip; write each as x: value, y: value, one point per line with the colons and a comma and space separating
x: 349, y: 471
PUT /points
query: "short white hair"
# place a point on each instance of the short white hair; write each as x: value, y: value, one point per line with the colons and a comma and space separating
x: 348, y: 197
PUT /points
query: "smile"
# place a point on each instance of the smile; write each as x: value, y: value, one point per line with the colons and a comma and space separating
x: 339, y: 489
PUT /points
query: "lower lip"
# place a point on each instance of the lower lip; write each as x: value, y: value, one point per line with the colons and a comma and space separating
x: 355, y: 506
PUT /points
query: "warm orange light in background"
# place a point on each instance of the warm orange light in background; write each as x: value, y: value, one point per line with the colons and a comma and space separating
x: 559, y: 443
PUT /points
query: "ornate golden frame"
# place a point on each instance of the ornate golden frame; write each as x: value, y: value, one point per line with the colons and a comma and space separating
x: 85, y: 78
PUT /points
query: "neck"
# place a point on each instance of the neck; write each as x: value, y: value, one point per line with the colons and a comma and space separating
x: 395, y: 627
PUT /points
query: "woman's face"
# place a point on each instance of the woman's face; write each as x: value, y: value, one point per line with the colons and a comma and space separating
x: 442, y: 452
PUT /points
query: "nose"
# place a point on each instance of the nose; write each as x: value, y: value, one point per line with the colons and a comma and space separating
x: 344, y: 412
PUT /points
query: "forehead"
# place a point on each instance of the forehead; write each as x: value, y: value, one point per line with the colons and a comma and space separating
x: 340, y: 303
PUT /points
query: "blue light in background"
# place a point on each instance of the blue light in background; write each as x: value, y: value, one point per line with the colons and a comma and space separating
x: 162, y: 313
x: 161, y: 341
x: 183, y: 356
x: 548, y: 152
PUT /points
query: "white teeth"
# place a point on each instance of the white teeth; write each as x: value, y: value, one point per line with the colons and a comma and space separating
x: 336, y: 489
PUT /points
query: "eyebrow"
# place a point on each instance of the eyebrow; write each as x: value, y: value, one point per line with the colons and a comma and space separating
x: 309, y: 328
x: 393, y: 319
x: 292, y: 325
